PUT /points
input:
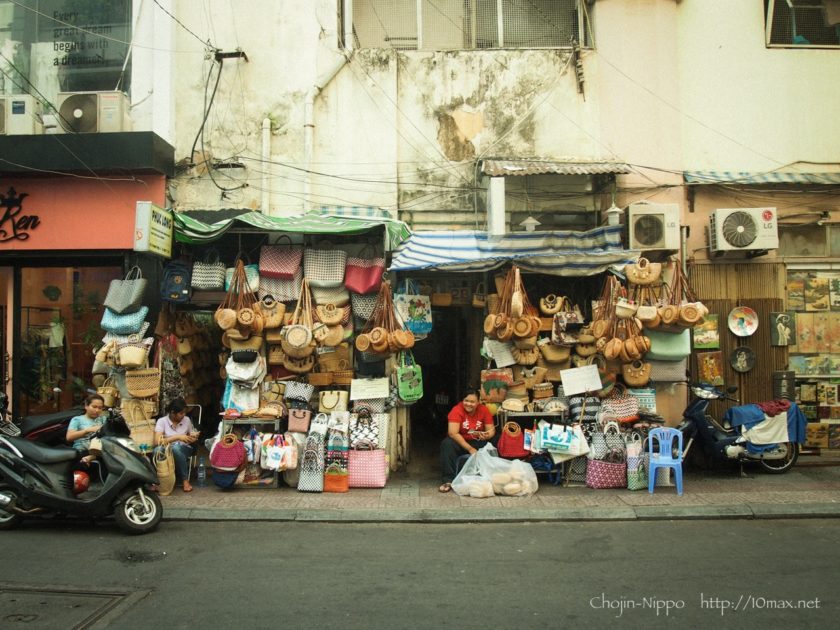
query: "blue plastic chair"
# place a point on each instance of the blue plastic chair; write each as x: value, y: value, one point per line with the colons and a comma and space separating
x: 661, y: 455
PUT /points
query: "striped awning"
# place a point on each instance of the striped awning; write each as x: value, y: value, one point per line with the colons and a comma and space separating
x: 560, y: 253
x: 771, y: 177
x: 195, y: 232
x: 508, y: 168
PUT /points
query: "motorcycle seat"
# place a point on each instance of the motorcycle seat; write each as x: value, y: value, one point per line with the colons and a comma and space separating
x: 43, y: 454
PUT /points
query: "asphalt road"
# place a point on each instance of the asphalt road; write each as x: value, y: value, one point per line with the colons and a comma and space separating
x: 726, y: 573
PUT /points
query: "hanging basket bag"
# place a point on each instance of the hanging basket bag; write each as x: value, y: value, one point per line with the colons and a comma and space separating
x: 143, y: 383
x: 109, y: 392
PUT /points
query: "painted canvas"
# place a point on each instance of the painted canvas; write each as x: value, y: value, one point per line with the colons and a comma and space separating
x: 816, y: 293
x: 710, y: 367
x: 707, y: 334
x: 782, y: 328
x: 805, y: 341
x: 796, y: 290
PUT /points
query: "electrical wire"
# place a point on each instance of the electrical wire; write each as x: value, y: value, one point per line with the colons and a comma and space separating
x: 183, y: 26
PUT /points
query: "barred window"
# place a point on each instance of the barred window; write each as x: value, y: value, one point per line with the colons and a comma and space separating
x: 468, y: 24
x: 805, y: 23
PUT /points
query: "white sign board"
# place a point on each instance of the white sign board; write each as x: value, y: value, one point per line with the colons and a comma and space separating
x: 580, y: 380
x: 153, y: 229
x: 366, y: 388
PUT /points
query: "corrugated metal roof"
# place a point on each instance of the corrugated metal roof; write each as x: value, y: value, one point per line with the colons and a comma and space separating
x: 773, y: 177
x: 502, y: 168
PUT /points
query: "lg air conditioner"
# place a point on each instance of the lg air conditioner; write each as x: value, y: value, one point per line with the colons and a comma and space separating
x: 743, y: 229
x: 92, y: 112
x: 654, y: 226
x: 19, y: 116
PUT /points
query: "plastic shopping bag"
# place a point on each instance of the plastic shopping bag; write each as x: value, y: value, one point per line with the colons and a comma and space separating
x: 508, y: 477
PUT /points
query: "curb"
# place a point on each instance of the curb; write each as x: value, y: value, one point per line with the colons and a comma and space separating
x: 470, y: 515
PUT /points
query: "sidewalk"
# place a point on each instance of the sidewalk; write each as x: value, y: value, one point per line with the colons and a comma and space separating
x: 810, y: 490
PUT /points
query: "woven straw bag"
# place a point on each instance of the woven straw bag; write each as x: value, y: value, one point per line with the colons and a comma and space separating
x: 143, y: 383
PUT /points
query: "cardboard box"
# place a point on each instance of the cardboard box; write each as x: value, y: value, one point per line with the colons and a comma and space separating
x: 816, y: 435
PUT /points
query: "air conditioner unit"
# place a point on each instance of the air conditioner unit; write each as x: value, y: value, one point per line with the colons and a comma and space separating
x: 19, y: 116
x: 743, y: 229
x: 654, y: 226
x: 92, y: 112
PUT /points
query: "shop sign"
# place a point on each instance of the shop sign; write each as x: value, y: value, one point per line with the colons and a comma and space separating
x: 14, y: 225
x: 153, y: 229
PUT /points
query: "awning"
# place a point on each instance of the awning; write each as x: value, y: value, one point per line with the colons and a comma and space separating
x: 195, y: 232
x: 507, y: 168
x: 561, y: 253
x: 772, y: 177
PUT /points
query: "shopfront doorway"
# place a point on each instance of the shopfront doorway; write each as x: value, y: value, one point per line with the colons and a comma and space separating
x: 58, y: 327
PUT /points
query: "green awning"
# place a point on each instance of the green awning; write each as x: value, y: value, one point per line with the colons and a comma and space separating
x: 194, y: 232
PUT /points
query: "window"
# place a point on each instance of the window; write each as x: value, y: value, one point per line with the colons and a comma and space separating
x: 468, y: 24
x: 52, y: 46
x: 802, y: 241
x: 807, y: 23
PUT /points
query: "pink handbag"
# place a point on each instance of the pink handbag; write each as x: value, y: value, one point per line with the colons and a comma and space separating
x: 279, y: 262
x: 299, y: 420
x: 364, y: 276
x: 367, y: 468
x: 228, y: 453
x: 607, y: 473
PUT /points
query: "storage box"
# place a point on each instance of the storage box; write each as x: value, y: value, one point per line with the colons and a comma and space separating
x: 816, y: 435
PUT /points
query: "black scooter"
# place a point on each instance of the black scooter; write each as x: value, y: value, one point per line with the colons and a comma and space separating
x: 38, y: 480
x: 724, y: 443
x: 48, y: 428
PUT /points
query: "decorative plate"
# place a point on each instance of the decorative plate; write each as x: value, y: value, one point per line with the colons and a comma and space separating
x: 742, y: 359
x: 743, y: 321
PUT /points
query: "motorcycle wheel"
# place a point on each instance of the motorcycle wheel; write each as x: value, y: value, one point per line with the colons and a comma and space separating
x: 779, y: 466
x: 134, y: 515
x: 9, y: 520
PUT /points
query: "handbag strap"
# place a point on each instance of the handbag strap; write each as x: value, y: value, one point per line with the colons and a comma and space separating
x: 135, y: 273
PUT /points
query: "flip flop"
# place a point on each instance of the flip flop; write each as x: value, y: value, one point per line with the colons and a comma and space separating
x: 187, y: 488
x: 445, y: 487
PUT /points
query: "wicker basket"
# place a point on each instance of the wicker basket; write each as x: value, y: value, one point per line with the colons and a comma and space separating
x: 320, y: 379
x: 143, y: 383
x: 342, y: 377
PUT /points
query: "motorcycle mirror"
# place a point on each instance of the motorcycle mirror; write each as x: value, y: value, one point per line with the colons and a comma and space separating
x: 731, y: 389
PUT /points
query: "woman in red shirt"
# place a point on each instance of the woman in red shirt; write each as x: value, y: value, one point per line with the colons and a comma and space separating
x: 470, y: 427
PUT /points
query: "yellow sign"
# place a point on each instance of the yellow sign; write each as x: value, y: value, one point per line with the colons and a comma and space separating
x: 153, y: 229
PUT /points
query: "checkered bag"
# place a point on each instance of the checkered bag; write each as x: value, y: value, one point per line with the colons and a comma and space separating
x: 324, y: 267
x: 584, y: 409
x: 368, y: 468
x: 337, y: 459
x: 208, y: 274
x: 576, y: 471
x: 295, y: 390
x: 279, y: 262
x: 363, y: 428
x: 280, y: 289
x: 601, y: 444
x: 363, y: 307
x: 311, y: 476
x: 602, y: 474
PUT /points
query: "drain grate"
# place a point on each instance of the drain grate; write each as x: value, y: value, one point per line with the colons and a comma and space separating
x: 48, y: 607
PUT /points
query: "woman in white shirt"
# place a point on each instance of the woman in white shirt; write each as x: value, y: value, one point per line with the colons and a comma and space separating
x: 177, y: 430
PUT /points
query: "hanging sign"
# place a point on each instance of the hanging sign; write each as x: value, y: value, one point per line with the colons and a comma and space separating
x: 153, y: 229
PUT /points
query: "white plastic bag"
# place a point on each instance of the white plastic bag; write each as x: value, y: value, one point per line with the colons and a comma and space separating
x: 505, y: 477
x: 509, y: 477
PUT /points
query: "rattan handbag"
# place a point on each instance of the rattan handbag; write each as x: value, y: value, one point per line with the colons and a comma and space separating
x: 143, y: 383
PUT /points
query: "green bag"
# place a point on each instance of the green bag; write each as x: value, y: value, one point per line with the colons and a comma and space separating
x: 409, y: 379
x: 665, y: 346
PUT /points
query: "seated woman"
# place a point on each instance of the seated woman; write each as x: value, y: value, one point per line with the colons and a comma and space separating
x: 470, y: 427
x: 177, y: 429
x: 82, y: 427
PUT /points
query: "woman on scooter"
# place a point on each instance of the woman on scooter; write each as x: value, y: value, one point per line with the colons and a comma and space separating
x: 177, y: 429
x: 82, y: 427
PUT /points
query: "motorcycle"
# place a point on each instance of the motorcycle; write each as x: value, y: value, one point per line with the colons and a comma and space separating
x: 725, y: 443
x: 38, y: 480
x: 48, y: 428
